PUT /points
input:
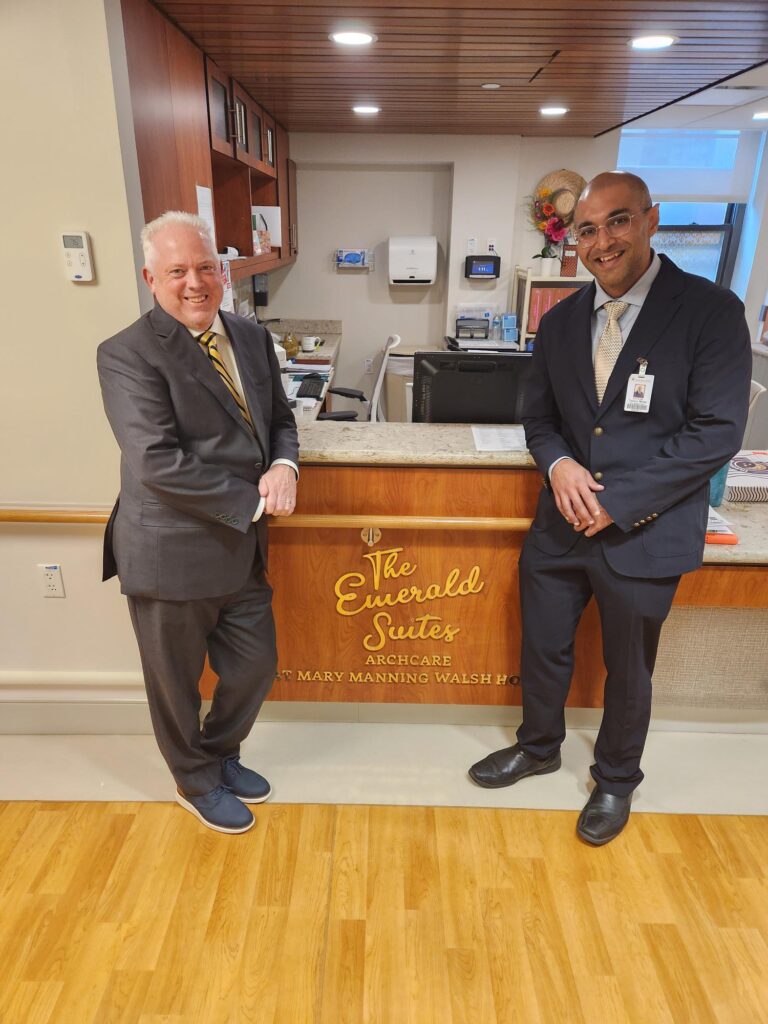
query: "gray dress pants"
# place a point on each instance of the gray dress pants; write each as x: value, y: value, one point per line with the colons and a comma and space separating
x: 237, y: 632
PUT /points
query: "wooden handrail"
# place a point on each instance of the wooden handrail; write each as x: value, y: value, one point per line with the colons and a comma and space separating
x: 299, y: 520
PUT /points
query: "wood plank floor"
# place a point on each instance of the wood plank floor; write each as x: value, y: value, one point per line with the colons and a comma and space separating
x: 135, y: 914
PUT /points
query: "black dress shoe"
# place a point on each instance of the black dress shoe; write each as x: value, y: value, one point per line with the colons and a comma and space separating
x: 504, y: 767
x: 603, y: 817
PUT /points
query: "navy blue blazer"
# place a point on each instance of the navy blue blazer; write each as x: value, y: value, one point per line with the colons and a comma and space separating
x: 655, y: 466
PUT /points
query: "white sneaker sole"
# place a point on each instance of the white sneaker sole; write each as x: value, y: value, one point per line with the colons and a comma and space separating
x: 254, y: 799
x: 209, y: 824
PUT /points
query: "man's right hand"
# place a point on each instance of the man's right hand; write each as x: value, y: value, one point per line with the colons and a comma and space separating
x: 574, y: 489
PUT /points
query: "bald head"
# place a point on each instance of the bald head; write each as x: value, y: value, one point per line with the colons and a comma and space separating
x: 634, y: 185
x: 616, y: 207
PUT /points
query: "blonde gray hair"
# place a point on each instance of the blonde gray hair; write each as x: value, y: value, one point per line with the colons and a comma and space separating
x: 169, y: 219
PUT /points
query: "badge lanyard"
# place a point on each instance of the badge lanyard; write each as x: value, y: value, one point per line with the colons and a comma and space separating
x: 639, y: 389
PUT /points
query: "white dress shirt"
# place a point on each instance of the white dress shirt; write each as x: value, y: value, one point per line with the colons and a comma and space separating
x: 224, y: 346
x: 635, y: 298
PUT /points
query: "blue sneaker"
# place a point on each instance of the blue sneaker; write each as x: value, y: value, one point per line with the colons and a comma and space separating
x: 247, y: 785
x: 219, y: 810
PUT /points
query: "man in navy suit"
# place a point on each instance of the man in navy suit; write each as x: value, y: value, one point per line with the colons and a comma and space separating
x: 209, y: 448
x: 639, y: 392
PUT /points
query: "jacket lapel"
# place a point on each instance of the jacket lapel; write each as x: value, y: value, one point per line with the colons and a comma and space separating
x: 245, y: 361
x: 181, y: 346
x: 580, y: 345
x: 658, y: 311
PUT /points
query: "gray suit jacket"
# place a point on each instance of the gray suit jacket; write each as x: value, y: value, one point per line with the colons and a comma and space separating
x: 182, y: 526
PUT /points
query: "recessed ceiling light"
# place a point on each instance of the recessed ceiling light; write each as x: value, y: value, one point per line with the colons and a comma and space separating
x: 761, y: 115
x: 366, y: 109
x: 349, y: 37
x: 553, y: 111
x: 490, y: 85
x: 652, y: 42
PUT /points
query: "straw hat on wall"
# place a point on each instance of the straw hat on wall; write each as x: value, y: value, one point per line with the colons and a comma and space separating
x: 564, y: 188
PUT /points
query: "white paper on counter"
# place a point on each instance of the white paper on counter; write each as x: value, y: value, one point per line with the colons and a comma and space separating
x: 499, y: 439
x: 716, y: 523
x: 205, y: 207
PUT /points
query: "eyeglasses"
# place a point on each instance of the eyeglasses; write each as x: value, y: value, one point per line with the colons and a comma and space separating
x: 615, y: 227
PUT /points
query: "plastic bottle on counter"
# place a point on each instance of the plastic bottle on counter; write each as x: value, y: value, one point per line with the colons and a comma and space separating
x: 496, y: 329
x: 291, y: 345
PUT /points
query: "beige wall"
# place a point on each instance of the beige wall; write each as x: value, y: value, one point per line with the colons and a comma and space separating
x: 355, y: 207
x: 359, y: 190
x: 62, y: 170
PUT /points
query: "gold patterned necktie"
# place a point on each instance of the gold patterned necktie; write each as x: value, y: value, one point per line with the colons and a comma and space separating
x: 608, y: 346
x: 208, y: 341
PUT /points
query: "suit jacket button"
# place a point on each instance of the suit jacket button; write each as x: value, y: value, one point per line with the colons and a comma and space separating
x: 654, y: 515
x: 598, y: 476
x: 598, y: 431
x: 635, y: 525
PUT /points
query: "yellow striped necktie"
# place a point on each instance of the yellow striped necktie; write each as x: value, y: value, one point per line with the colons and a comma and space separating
x: 208, y: 341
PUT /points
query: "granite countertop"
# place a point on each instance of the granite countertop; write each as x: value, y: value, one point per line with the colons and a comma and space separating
x: 749, y: 521
x: 399, y: 444
x: 443, y: 444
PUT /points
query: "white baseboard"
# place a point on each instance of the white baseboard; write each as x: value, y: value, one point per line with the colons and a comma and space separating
x: 121, y: 709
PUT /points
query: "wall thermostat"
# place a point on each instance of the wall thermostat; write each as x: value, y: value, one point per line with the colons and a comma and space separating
x: 482, y: 267
x: 77, y: 256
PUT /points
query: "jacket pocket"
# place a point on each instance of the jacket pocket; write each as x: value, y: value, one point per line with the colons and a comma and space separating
x: 153, y: 513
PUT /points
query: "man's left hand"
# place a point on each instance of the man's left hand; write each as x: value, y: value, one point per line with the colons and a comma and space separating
x: 278, y: 488
x: 601, y: 520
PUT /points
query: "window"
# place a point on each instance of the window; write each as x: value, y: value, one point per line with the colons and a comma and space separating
x: 701, y: 237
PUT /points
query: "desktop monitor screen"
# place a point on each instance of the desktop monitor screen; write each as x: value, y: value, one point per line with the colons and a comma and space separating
x: 469, y: 387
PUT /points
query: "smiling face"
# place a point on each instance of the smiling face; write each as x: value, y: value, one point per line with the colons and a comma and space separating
x: 185, y: 276
x: 617, y: 263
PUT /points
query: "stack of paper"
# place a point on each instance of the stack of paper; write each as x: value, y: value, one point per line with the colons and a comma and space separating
x: 719, y: 530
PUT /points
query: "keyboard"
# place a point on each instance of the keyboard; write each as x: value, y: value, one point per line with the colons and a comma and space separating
x: 310, y: 388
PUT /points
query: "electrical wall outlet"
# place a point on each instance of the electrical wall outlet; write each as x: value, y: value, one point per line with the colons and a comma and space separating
x: 492, y: 245
x: 367, y: 366
x: 53, y: 584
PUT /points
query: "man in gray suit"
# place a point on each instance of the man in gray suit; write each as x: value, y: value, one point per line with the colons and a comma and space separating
x: 209, y: 448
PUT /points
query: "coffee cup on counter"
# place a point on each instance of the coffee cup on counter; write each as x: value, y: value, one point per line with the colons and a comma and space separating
x: 309, y: 344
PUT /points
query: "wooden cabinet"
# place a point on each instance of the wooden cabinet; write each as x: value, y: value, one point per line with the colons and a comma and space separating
x: 196, y: 126
x: 239, y: 127
x: 293, y: 211
x: 166, y: 74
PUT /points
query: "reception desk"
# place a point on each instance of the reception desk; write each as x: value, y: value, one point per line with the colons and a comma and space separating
x: 397, y: 579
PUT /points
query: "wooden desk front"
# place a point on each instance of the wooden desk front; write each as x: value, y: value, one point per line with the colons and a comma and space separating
x: 427, y: 615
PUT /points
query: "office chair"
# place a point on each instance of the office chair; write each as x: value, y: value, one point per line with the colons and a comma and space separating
x: 374, y: 410
x: 756, y: 431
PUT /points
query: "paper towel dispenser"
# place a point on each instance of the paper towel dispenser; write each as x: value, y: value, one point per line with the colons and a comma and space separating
x: 412, y: 259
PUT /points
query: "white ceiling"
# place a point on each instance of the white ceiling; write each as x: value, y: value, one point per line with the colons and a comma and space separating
x: 713, y: 108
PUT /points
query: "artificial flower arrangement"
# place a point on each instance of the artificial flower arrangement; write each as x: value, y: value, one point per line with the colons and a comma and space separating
x: 551, y: 209
x: 545, y: 218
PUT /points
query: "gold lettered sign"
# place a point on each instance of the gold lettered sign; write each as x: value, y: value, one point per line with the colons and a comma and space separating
x: 400, y: 629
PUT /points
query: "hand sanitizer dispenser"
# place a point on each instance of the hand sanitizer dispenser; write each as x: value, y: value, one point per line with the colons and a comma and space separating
x: 412, y: 259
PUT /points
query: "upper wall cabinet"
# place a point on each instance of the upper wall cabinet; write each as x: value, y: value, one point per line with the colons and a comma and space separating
x: 239, y: 127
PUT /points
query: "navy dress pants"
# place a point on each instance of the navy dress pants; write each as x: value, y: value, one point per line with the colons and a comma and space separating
x: 554, y: 591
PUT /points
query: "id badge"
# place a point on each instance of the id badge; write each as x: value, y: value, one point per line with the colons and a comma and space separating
x: 639, y: 390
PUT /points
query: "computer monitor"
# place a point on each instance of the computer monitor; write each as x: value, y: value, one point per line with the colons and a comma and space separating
x: 469, y: 387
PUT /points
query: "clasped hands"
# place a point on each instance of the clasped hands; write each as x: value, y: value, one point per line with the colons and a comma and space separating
x: 574, y: 489
x: 278, y: 488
